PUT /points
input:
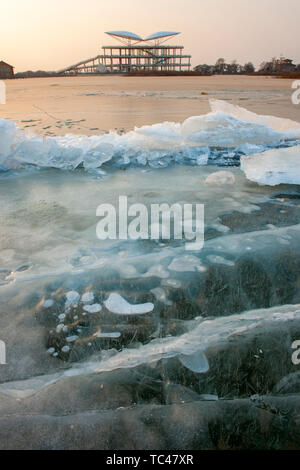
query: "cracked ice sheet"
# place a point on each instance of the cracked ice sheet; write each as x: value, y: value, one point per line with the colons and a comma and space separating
x: 200, y: 336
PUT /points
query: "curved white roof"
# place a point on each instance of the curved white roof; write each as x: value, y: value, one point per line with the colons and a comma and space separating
x: 124, y: 35
x: 161, y: 34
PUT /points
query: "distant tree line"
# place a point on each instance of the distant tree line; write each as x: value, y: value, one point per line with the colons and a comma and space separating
x: 37, y: 74
x: 223, y: 68
x: 274, y: 66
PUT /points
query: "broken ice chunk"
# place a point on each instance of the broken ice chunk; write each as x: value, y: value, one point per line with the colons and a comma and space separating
x: 273, y: 167
x: 48, y: 303
x: 196, y: 362
x: 116, y: 304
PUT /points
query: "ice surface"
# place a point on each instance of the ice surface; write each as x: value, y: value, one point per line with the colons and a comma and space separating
x: 116, y: 304
x: 273, y: 167
x: 52, y: 226
x: 48, y: 222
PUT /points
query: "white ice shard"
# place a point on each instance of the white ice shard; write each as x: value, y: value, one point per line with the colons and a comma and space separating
x: 48, y: 303
x: 196, y: 362
x: 116, y: 304
x: 277, y: 166
x: 220, y: 178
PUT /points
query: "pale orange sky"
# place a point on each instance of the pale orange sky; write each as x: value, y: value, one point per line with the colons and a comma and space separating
x: 51, y: 34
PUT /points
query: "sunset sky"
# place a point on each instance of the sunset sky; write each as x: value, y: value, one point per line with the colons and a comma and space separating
x: 51, y: 34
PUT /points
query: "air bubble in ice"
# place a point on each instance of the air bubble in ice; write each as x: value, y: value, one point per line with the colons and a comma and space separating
x: 88, y: 298
x: 116, y: 304
x: 96, y: 308
x: 72, y: 298
x: 197, y: 362
x: 220, y: 178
